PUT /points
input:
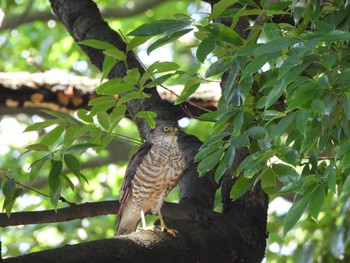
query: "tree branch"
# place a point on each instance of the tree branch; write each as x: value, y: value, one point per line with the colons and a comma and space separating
x: 130, y: 9
x: 81, y: 211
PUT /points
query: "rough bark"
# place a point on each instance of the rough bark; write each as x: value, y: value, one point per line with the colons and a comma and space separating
x: 63, y: 91
x: 237, y: 235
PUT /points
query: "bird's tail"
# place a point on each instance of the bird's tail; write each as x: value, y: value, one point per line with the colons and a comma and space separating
x: 127, y: 221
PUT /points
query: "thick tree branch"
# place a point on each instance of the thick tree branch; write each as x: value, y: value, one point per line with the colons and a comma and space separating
x: 63, y: 91
x: 81, y: 211
x: 130, y: 9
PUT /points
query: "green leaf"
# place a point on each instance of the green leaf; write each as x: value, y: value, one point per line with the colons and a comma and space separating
x: 84, y: 115
x: 117, y: 114
x: 343, y: 148
x: 316, y: 201
x: 102, y: 103
x: 215, y: 139
x: 229, y: 157
x: 210, y: 161
x: 268, y: 181
x: 190, y: 87
x: 319, y: 106
x: 68, y: 181
x: 103, y: 120
x: 132, y: 96
x: 118, y: 88
x: 96, y: 44
x: 256, y: 132
x: 294, y: 186
x: 282, y: 125
x: 72, y: 163
x: 81, y: 147
x: 285, y: 173
x: 239, y: 141
x: 302, y: 95
x: 111, y: 82
x: 66, y: 117
x: 149, y: 116
x: 241, y: 186
x: 132, y: 76
x: 220, y: 66
x: 159, y: 27
x: 204, y: 152
x: 220, y: 7
x: 108, y: 64
x: 163, y: 66
x: 38, y: 147
x: 167, y: 39
x: 224, y: 33
x: 331, y: 177
x: 310, y: 139
x: 115, y: 53
x: 35, y: 167
x: 345, y: 162
x: 9, y: 187
x: 295, y: 212
x: 346, y: 187
x: 204, y: 48
x: 41, y: 125
x: 158, y: 81
x: 302, y: 121
x: 9, y: 202
x: 52, y: 136
x: 294, y: 57
x: 275, y: 45
x: 54, y: 175
x: 136, y: 41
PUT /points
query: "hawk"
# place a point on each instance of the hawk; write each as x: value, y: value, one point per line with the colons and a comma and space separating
x: 153, y: 171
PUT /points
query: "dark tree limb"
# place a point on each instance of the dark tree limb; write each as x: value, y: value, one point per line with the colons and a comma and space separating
x: 131, y: 9
x: 73, y: 212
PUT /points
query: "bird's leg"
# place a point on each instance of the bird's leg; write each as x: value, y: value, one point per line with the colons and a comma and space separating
x: 143, y: 222
x: 164, y: 227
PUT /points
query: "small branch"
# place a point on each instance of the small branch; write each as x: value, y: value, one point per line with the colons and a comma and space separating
x: 81, y: 211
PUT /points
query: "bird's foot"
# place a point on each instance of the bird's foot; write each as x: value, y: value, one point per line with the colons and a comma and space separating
x: 170, y: 231
x: 146, y: 228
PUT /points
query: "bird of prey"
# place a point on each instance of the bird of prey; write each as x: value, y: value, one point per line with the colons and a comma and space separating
x: 152, y: 172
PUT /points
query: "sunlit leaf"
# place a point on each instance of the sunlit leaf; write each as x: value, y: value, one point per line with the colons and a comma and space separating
x: 204, y: 48
x: 81, y: 147
x: 96, y: 44
x: 316, y: 201
x: 52, y: 136
x: 103, y: 119
x: 72, y: 163
x: 295, y: 212
x: 220, y: 7
x: 241, y: 186
x: 159, y: 27
x: 167, y: 39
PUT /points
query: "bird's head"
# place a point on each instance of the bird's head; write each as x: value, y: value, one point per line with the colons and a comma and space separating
x: 165, y: 133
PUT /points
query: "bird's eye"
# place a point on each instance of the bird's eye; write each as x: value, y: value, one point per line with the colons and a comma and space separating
x: 166, y: 128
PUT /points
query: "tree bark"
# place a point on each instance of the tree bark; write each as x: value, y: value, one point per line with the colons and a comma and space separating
x: 237, y: 235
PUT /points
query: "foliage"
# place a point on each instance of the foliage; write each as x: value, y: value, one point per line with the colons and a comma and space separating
x: 286, y: 97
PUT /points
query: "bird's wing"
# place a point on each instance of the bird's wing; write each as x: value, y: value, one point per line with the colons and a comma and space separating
x: 134, y: 162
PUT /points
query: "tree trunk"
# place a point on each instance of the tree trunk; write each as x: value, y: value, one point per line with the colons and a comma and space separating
x: 236, y: 235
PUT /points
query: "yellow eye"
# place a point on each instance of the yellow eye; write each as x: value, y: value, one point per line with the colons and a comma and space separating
x: 166, y: 128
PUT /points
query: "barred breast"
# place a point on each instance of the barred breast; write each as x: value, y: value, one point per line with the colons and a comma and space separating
x: 158, y: 174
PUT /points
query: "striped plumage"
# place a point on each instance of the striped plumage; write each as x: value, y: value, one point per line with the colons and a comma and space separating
x: 153, y: 171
